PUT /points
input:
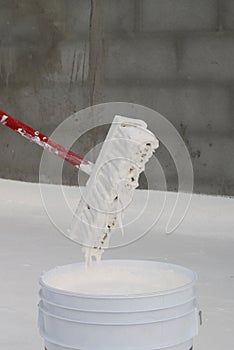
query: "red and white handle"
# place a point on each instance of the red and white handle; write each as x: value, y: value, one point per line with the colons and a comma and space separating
x: 45, y: 142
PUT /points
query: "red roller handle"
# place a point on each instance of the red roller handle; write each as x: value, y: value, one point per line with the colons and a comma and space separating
x: 45, y: 142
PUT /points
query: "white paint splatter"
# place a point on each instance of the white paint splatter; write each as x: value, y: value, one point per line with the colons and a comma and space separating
x: 21, y: 131
x: 36, y: 139
x: 86, y: 167
x: 4, y: 119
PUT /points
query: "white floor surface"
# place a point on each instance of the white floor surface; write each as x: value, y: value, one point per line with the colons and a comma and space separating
x: 30, y: 244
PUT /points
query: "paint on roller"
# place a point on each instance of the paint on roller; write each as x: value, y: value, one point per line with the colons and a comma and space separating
x: 109, y: 190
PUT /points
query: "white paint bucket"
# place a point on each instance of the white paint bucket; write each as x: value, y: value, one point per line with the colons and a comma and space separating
x: 136, y: 315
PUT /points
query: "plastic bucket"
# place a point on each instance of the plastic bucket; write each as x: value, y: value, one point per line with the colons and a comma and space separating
x: 124, y: 318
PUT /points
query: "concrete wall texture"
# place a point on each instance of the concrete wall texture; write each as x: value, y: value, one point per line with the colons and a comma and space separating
x: 174, y: 56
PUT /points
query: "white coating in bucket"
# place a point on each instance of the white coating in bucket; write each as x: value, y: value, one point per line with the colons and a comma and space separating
x: 153, y: 320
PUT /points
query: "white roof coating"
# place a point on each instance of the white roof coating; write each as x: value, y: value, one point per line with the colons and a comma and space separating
x: 30, y: 244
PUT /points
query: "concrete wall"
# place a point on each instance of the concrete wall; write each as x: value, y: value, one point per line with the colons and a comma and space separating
x: 175, y: 56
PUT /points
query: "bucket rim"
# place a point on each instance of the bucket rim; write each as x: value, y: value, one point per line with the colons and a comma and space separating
x: 121, y: 296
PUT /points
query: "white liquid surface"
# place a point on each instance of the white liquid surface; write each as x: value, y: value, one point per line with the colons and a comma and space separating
x: 111, y: 279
